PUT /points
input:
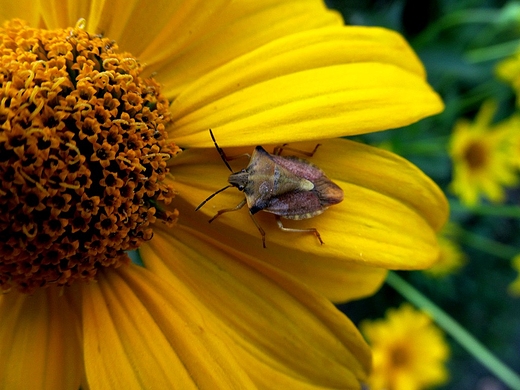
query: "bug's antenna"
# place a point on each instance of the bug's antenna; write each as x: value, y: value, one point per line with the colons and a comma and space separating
x: 211, y: 196
x: 222, y: 156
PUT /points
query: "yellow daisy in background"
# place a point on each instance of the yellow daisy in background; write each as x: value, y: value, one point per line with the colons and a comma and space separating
x: 94, y: 118
x: 409, y: 351
x: 451, y: 257
x: 481, y: 157
x: 514, y: 287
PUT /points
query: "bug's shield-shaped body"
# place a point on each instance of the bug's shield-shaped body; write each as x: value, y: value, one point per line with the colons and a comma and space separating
x: 286, y: 186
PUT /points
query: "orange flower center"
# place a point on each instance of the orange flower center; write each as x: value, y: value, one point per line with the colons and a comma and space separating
x: 83, y: 155
x: 475, y: 155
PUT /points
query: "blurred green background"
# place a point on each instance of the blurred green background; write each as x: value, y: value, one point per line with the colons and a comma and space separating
x: 460, y: 43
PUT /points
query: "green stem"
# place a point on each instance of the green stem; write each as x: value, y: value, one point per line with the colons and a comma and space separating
x: 455, y: 330
x: 487, y: 245
x: 493, y: 52
x: 467, y: 16
x: 487, y: 209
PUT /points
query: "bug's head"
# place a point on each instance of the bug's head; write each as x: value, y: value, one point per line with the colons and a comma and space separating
x: 236, y: 179
x: 239, y: 179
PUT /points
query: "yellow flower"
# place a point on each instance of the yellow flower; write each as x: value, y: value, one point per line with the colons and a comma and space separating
x: 451, y: 257
x: 85, y: 138
x: 481, y: 156
x: 514, y: 287
x: 409, y: 352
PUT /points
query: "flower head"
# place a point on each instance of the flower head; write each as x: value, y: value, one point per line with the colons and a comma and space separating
x: 91, y: 166
x: 409, y: 352
x: 481, y: 155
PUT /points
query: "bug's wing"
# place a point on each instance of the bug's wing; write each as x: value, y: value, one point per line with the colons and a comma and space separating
x: 266, y: 180
x: 296, y: 205
x: 299, y: 167
x: 289, y: 187
x: 328, y: 191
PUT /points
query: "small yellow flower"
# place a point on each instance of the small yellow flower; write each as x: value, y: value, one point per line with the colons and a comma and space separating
x: 94, y: 118
x: 514, y: 287
x: 409, y: 351
x: 481, y: 157
x: 451, y: 257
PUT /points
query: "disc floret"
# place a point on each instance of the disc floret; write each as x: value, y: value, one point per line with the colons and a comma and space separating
x: 83, y: 152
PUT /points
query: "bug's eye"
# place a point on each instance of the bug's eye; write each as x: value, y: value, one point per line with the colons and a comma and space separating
x: 241, y: 188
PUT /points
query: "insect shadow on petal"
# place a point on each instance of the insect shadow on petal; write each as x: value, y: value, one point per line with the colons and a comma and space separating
x: 288, y: 187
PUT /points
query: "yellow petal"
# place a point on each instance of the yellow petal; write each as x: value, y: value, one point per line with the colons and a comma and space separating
x: 337, y: 279
x: 23, y: 9
x: 356, y: 79
x: 378, y: 170
x: 139, y: 332
x: 308, y: 105
x: 316, y: 48
x: 240, y: 28
x: 280, y: 329
x: 181, y: 40
x: 61, y: 14
x: 164, y: 28
x: 40, y: 341
x: 388, y: 217
x: 136, y: 25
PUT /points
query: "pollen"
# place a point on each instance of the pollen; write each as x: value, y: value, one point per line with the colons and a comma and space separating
x: 83, y: 156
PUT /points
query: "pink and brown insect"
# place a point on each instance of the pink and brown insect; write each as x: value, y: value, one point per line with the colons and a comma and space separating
x: 288, y: 187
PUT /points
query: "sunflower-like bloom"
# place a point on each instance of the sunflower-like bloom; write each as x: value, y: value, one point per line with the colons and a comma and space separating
x: 482, y: 157
x: 94, y: 118
x: 409, y: 351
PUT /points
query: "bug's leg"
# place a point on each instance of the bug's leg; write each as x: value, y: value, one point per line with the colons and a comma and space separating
x: 279, y: 149
x: 262, y: 232
x: 223, y: 155
x: 310, y: 230
x: 230, y: 158
x: 220, y: 212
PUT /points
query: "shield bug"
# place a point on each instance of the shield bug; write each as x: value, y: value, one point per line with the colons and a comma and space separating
x: 288, y: 187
